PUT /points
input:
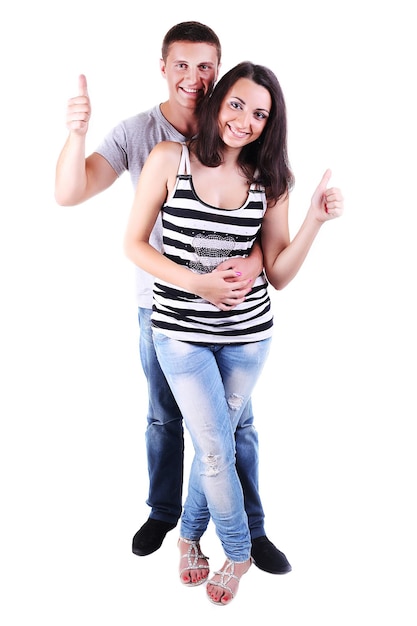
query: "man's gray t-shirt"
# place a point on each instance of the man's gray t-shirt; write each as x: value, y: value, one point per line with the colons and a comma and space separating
x: 126, y: 147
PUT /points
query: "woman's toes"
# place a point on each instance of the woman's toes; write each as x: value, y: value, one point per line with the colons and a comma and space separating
x: 194, y: 568
x: 223, y: 587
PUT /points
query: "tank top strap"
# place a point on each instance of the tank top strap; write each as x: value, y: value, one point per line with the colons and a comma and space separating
x: 184, y: 168
x: 256, y: 186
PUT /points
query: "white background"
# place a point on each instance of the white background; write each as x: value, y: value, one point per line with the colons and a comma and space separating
x: 336, y: 405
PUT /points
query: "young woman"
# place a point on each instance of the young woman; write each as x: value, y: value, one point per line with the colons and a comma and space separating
x: 218, y: 194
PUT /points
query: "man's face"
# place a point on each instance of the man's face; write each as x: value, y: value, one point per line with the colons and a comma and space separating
x: 191, y: 70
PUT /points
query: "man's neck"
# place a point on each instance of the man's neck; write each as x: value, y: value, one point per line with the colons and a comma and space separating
x: 182, y: 119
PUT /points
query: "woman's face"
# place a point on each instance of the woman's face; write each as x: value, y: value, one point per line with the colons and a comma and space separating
x: 244, y: 113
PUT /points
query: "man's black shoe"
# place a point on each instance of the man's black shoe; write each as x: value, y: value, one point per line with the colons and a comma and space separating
x: 150, y: 536
x: 268, y: 558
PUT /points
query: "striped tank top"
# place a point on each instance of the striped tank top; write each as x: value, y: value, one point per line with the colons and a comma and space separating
x: 199, y: 237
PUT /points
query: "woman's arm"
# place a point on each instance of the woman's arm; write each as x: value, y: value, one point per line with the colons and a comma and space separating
x: 283, y: 258
x: 156, y: 181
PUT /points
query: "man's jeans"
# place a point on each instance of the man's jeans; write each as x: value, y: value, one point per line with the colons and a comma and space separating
x: 165, y: 444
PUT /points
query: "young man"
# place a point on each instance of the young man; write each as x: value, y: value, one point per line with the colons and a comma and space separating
x: 191, y: 55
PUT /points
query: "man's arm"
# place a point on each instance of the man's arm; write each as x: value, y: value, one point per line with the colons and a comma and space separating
x: 78, y: 178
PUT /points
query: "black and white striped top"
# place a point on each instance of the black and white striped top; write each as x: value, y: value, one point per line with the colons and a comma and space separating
x: 199, y: 237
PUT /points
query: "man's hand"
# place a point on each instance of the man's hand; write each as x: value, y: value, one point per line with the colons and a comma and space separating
x: 79, y: 109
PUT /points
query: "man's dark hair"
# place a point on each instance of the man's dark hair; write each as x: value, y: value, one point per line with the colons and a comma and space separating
x: 194, y: 32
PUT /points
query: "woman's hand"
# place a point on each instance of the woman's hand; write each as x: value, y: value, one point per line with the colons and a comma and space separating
x: 326, y: 204
x: 223, y: 288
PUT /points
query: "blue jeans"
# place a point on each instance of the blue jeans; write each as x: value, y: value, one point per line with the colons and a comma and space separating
x: 211, y: 384
x: 165, y: 444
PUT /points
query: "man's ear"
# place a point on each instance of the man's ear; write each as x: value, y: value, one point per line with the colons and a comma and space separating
x: 162, y: 67
x: 218, y: 72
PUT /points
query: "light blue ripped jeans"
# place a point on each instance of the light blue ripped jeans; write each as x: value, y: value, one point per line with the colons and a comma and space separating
x: 211, y: 384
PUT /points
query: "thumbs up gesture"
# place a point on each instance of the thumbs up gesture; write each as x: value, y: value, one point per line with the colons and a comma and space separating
x: 327, y: 203
x: 79, y: 109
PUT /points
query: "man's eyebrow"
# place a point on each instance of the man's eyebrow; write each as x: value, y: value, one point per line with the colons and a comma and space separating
x: 199, y: 63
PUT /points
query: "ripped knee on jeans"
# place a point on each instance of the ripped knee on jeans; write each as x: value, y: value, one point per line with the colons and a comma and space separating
x: 235, y: 401
x: 211, y: 462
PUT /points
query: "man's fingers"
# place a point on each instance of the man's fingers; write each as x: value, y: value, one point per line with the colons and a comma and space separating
x: 82, y: 85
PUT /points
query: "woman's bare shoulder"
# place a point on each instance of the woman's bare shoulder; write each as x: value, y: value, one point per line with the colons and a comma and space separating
x: 167, y: 149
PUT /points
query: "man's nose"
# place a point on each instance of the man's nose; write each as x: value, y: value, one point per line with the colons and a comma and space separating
x: 192, y: 74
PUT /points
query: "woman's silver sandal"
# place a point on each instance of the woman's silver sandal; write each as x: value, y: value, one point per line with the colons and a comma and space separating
x: 227, y: 573
x: 193, y: 555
